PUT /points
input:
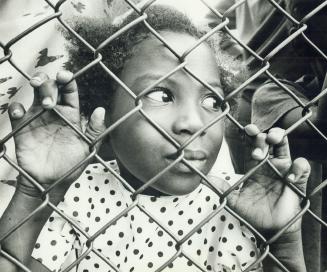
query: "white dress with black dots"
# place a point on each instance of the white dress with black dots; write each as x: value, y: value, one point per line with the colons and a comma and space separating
x: 136, y: 242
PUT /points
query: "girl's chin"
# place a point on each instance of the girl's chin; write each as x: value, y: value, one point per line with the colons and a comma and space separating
x: 179, y: 185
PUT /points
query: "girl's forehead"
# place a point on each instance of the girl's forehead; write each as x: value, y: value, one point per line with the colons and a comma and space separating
x: 151, y: 60
x: 178, y: 41
x: 152, y: 55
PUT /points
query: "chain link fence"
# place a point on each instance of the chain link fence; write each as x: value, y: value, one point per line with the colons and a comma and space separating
x: 262, y: 63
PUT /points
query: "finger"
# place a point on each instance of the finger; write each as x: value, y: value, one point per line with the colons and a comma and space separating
x: 260, y: 147
x: 45, y: 91
x: 48, y: 94
x: 16, y: 112
x: 299, y: 173
x: 96, y: 124
x: 68, y: 89
x: 38, y: 78
x: 251, y: 130
x: 276, y: 137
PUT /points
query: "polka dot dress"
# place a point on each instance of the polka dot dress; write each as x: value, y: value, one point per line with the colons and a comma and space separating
x: 136, y: 242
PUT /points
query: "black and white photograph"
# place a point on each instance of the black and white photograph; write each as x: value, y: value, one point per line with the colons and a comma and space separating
x: 163, y: 135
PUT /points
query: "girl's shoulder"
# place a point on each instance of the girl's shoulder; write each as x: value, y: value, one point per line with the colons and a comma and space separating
x: 97, y: 176
x: 110, y: 168
x: 223, y: 180
x: 93, y: 189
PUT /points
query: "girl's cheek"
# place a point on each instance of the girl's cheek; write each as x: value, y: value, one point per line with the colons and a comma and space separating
x: 218, y: 128
x: 216, y: 135
x: 162, y: 116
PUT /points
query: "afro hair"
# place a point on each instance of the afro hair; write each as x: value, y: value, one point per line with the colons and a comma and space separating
x: 96, y: 85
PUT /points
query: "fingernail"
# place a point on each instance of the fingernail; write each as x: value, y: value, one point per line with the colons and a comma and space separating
x: 64, y: 76
x: 251, y: 130
x: 291, y: 177
x: 36, y: 81
x: 47, y: 102
x: 257, y: 153
x: 16, y: 113
x: 100, y: 113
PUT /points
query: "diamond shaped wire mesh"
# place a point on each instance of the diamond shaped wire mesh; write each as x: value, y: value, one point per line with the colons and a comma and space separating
x: 262, y: 68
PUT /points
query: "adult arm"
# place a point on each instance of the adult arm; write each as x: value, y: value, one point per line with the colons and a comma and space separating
x: 311, y: 143
x: 272, y: 106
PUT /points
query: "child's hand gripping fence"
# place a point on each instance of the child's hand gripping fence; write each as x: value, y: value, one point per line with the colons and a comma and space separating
x: 300, y: 30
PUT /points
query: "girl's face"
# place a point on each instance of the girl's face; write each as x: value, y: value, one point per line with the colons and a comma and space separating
x: 179, y: 104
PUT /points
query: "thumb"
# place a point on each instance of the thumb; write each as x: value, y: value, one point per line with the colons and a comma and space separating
x: 299, y: 173
x: 16, y: 112
x: 96, y: 124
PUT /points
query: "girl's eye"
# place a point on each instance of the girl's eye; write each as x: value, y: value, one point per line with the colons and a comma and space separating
x: 160, y: 95
x: 212, y: 102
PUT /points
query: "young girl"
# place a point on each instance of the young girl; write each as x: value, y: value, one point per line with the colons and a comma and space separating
x: 160, y: 227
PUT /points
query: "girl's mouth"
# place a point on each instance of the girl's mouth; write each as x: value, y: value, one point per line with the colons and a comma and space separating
x: 196, y: 158
x: 190, y: 155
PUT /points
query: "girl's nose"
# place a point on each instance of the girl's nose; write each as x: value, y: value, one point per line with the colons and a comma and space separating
x: 187, y: 120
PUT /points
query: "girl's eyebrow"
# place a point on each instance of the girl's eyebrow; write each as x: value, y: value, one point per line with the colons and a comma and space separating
x: 153, y: 78
x: 148, y: 76
x: 215, y: 84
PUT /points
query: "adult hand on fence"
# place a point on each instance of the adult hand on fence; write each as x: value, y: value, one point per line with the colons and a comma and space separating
x: 47, y: 147
x: 264, y: 200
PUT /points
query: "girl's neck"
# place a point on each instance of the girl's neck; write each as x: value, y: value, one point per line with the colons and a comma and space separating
x: 136, y: 183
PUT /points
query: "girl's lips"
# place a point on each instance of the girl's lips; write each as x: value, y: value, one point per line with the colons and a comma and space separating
x: 190, y: 155
x: 196, y: 158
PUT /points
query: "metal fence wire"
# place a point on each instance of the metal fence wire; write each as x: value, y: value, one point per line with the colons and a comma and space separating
x: 263, y: 65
